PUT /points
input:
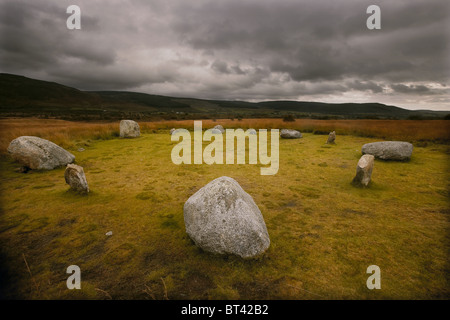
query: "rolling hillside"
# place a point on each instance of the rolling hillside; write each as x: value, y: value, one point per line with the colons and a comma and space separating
x: 21, y: 97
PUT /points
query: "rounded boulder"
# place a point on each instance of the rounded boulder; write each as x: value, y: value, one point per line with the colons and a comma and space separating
x: 129, y: 129
x: 389, y: 150
x: 222, y: 218
x: 290, y: 134
x: 37, y: 153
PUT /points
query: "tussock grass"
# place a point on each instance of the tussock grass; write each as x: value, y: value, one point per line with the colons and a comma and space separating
x: 66, y: 134
x: 70, y: 134
x: 409, y: 130
x: 324, y: 232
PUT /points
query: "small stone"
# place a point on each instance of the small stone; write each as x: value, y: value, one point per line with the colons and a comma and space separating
x: 331, y: 137
x: 109, y: 233
x: 80, y: 149
x: 219, y: 128
x: 364, y: 171
x: 75, y: 178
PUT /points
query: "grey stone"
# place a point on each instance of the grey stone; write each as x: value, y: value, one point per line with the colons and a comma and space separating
x: 364, y: 171
x: 172, y: 130
x: 129, y: 129
x: 37, y: 153
x: 216, y: 131
x: 290, y: 134
x: 389, y: 150
x: 331, y: 137
x: 80, y: 149
x: 251, y: 131
x: 75, y: 178
x: 222, y: 218
x: 109, y: 233
x: 220, y: 128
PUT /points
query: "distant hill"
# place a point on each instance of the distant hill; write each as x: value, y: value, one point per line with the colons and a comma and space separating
x: 21, y: 96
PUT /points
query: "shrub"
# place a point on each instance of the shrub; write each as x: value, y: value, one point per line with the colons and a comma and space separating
x: 289, y: 118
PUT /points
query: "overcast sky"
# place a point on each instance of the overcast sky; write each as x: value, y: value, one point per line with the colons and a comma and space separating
x: 251, y: 50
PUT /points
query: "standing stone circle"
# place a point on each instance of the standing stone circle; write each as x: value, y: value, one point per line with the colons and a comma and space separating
x: 364, y: 171
x: 331, y: 137
x: 222, y: 218
x: 290, y: 134
x: 389, y: 150
x: 37, y: 153
x: 75, y: 178
x: 129, y: 129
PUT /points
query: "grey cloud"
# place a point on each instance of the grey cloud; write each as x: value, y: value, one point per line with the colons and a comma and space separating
x: 321, y: 40
x: 416, y: 89
x: 365, y: 85
x: 220, y: 66
x: 234, y: 49
x: 237, y: 70
x: 41, y: 39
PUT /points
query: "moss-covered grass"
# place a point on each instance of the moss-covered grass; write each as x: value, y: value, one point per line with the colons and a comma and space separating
x: 324, y: 232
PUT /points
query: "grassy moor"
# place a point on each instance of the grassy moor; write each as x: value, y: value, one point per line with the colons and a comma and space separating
x: 324, y: 232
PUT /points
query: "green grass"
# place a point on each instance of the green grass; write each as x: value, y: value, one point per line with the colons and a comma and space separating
x: 324, y: 232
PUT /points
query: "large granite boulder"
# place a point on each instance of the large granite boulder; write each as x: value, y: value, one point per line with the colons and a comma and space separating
x: 364, y: 171
x: 222, y: 218
x: 290, y: 134
x: 129, y: 129
x: 389, y: 150
x: 37, y: 153
x: 75, y: 178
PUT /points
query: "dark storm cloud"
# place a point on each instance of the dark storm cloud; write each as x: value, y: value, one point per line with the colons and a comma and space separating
x: 236, y: 49
x: 32, y: 37
x: 367, y: 85
x: 324, y: 40
x: 410, y: 88
x: 220, y: 66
